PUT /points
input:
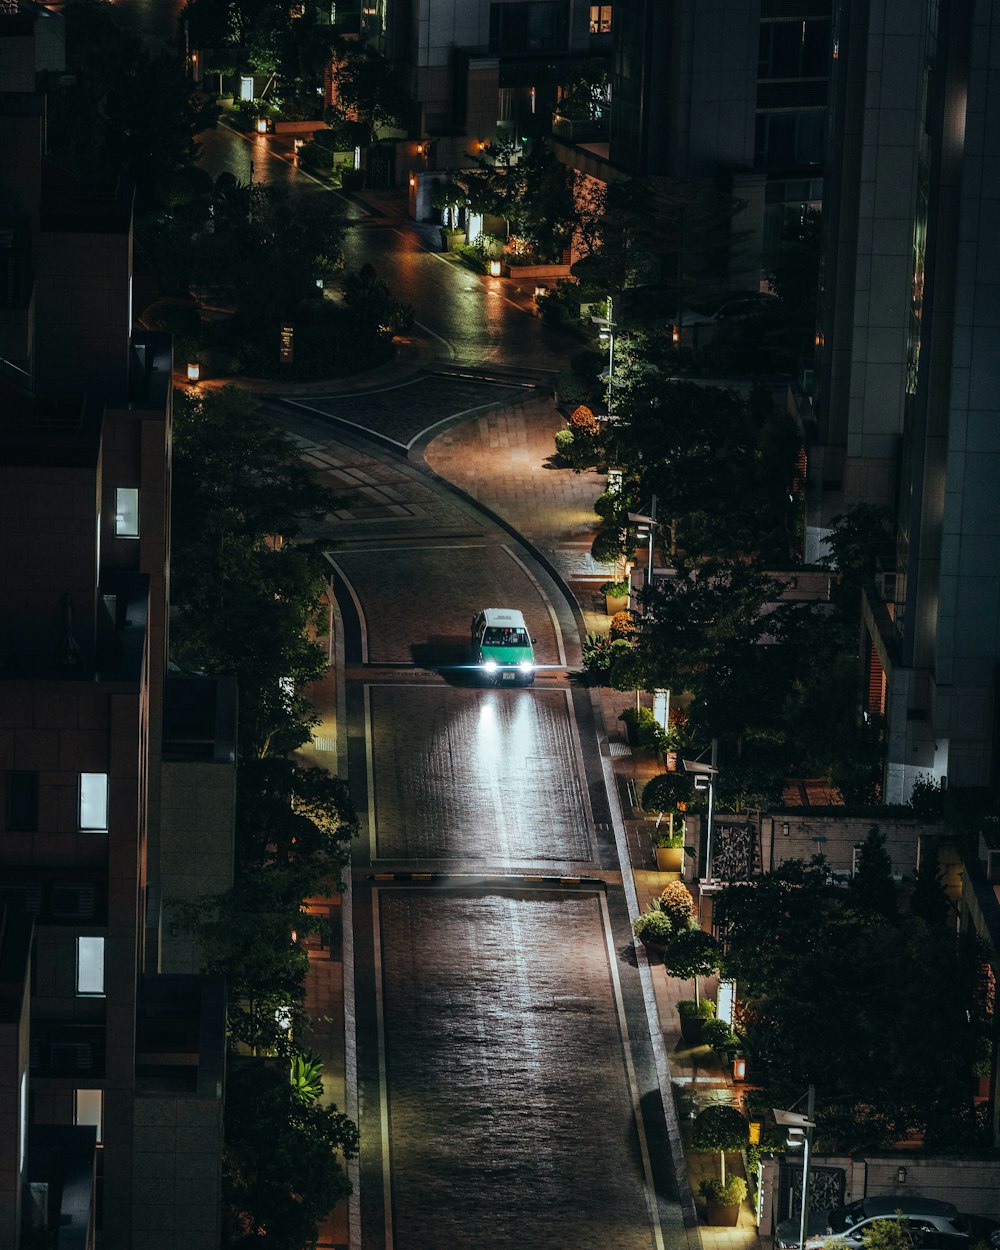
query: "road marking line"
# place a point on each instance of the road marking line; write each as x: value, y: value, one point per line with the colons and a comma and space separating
x: 633, y: 1083
x: 357, y: 606
x: 382, y: 1081
x: 545, y: 599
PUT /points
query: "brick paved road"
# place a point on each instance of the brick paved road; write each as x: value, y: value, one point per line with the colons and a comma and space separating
x: 505, y: 1065
x: 477, y: 775
x: 402, y: 412
x: 419, y: 601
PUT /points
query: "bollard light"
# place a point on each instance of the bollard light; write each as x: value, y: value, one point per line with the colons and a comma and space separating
x: 739, y: 1069
x: 193, y: 371
x: 262, y: 125
x: 494, y: 269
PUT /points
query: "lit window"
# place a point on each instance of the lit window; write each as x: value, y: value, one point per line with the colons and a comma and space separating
x: 90, y: 965
x: 94, y: 801
x: 126, y: 512
x: 89, y: 1109
x: 600, y: 19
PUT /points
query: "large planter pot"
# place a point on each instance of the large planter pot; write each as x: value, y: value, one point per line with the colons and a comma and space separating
x: 692, y: 1030
x: 669, y: 858
x: 723, y: 1215
x: 452, y: 242
x: 615, y: 604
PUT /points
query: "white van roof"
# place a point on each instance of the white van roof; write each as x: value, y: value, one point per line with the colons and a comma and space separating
x: 509, y: 617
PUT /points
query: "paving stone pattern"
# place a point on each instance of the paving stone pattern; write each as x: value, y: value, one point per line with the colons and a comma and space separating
x: 404, y: 411
x: 419, y: 601
x: 504, y: 1062
x: 477, y: 775
x: 382, y: 499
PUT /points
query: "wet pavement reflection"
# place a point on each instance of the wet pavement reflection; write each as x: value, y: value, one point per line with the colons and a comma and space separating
x: 491, y: 776
x: 511, y: 1120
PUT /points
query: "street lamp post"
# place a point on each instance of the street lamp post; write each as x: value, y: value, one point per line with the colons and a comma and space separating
x: 704, y: 779
x: 800, y: 1129
x: 640, y: 518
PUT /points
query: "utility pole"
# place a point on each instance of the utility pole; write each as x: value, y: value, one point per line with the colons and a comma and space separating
x: 806, y: 1150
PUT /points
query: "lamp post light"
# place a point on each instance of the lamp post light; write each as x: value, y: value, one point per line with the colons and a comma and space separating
x: 799, y: 1128
x: 704, y: 779
x: 606, y: 329
x: 640, y: 518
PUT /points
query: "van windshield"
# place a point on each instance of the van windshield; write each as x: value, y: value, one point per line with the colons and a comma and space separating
x: 497, y: 637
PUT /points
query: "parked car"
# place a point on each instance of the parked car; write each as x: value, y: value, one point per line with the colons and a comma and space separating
x: 929, y: 1223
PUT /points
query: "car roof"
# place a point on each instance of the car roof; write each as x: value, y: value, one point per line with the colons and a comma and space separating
x: 912, y: 1204
x: 510, y: 617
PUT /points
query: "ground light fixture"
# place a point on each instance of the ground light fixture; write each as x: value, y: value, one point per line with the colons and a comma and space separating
x: 262, y: 125
x: 193, y: 371
x: 798, y: 1129
x: 494, y: 269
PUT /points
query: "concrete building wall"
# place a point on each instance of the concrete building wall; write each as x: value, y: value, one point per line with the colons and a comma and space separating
x: 198, y: 802
x: 884, y: 259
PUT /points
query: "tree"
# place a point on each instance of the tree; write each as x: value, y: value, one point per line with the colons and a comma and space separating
x: 929, y: 900
x: 905, y: 1062
x: 860, y: 542
x: 720, y: 1127
x: 283, y: 1167
x: 872, y: 886
x: 246, y: 593
x: 692, y: 953
x: 299, y: 819
x: 368, y: 93
x: 532, y: 192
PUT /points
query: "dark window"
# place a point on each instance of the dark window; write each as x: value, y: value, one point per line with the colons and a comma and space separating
x: 22, y: 802
x: 531, y: 26
x: 798, y: 49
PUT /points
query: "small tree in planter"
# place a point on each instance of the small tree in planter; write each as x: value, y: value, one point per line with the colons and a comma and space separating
x: 664, y: 792
x: 692, y: 953
x: 720, y: 1127
x: 643, y: 729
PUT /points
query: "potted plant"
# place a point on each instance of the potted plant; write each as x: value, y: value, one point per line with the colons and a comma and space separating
x: 616, y: 595
x: 654, y: 929
x: 677, y: 903
x: 722, y: 1127
x: 662, y: 793
x: 723, y: 1200
x: 643, y: 730
x: 693, y: 1014
x: 669, y: 849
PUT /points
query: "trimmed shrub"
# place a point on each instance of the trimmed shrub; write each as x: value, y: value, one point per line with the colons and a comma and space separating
x: 665, y: 791
x: 653, y: 926
x: 730, y: 1194
x: 677, y: 903
x: 622, y: 626
x: 583, y: 421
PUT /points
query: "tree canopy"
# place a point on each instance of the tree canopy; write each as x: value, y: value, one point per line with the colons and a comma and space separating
x: 829, y: 998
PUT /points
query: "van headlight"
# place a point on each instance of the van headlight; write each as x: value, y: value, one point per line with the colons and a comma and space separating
x: 489, y: 666
x: 526, y: 666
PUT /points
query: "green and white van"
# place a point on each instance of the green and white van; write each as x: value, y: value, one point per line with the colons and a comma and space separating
x: 502, y: 647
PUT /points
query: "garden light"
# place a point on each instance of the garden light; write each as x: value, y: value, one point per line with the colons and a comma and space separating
x: 494, y: 269
x: 193, y: 371
x: 262, y: 125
